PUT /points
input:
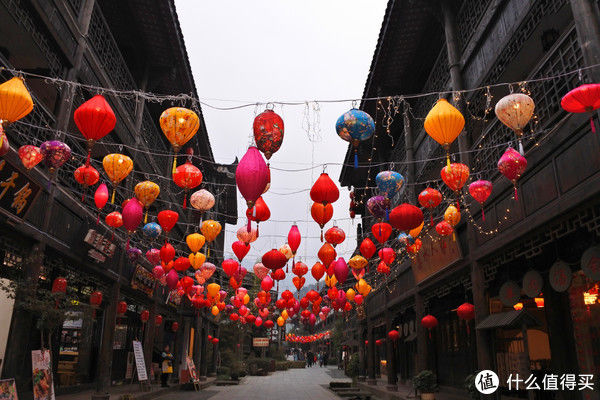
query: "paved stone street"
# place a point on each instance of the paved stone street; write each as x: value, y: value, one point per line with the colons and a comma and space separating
x: 293, y: 384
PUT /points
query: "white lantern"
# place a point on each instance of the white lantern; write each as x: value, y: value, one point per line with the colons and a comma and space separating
x: 202, y: 200
x: 515, y: 111
x: 247, y: 237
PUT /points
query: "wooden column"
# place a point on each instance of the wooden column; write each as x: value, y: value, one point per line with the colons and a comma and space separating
x: 587, y: 23
x: 409, y: 147
x: 179, y: 347
x: 390, y: 350
x: 215, y: 352
x: 197, y: 351
x: 372, y: 379
x: 149, y: 333
x: 108, y: 332
x: 422, y: 334
x: 362, y: 365
x: 203, y: 369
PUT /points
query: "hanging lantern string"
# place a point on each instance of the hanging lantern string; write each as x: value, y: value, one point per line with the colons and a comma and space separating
x: 182, y: 97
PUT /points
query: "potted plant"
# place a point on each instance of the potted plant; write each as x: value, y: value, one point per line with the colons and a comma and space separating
x: 426, y: 383
x: 470, y: 387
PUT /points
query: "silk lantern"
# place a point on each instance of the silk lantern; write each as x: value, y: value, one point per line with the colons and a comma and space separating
x: 179, y: 125
x: 94, y: 119
x: 210, y: 229
x: 443, y: 124
x: 389, y: 183
x: 321, y: 214
x: 387, y: 255
x: 455, y: 176
x: 367, y: 248
x: 317, y: 271
x: 258, y: 213
x: 15, y: 101
x: 294, y: 238
x: 274, y: 260
x: 429, y: 322
x: 202, y: 200
x: 341, y: 270
x: 381, y: 231
x: 415, y: 247
x: 187, y: 176
x: 144, y: 316
x: 132, y: 216
x: 251, y: 176
x: 355, y: 126
x: 195, y: 241
x: 245, y: 236
x: 480, y: 190
x: 406, y: 217
x: 583, y: 99
x: 86, y: 175
x: 167, y: 220
x: 167, y: 253
x: 117, y: 167
x: 334, y: 236
x: 379, y: 207
x: 153, y: 256
x: 30, y: 156
x: 152, y: 230
x: 100, y: 198
x: 515, y: 110
x: 146, y: 192
x: 326, y: 254
x: 393, y: 335
x: 114, y: 220
x: 55, y: 154
x: 121, y: 308
x: 466, y: 312
x: 59, y: 285
x: 357, y: 262
x: 268, y: 132
x: 443, y: 228
x: 324, y: 190
x: 430, y: 198
x: 240, y: 249
x: 512, y: 165
x: 452, y: 215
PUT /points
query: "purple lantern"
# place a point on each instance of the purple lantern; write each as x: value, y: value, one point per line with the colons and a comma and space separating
x: 55, y: 154
x: 378, y: 206
x: 133, y: 253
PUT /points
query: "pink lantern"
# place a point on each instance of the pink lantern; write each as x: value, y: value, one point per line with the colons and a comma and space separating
x: 247, y: 236
x: 172, y: 279
x: 512, y: 165
x: 30, y: 156
x: 252, y: 176
x: 153, y: 256
x: 341, y: 270
x: 260, y: 271
x: 158, y: 272
x: 480, y: 190
x: 133, y: 212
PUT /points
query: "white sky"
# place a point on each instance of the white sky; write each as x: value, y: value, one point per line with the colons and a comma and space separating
x: 258, y: 51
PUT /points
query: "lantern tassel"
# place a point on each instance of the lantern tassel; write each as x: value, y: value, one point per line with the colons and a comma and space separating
x: 174, y: 162
x: 387, y: 214
x: 207, y: 252
x: 482, y: 214
x: 521, y: 150
x: 87, y: 161
x: 431, y: 218
x: 321, y: 235
x: 448, y: 160
x: 593, y: 126
x: 185, y: 201
x: 355, y: 158
x: 248, y: 227
x: 98, y: 219
x: 257, y: 229
x: 516, y: 194
x: 146, y: 217
x: 112, y: 199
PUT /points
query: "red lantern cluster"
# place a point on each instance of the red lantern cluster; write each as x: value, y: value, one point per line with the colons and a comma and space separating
x: 323, y: 193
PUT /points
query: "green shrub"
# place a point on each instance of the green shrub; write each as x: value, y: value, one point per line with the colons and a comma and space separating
x: 240, y: 368
x: 353, y: 366
x: 425, y: 382
x: 223, y: 371
x: 470, y: 386
x: 297, y: 364
x: 256, y: 364
x: 282, y: 365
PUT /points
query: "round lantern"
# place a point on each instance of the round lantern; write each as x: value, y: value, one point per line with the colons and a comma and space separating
x: 15, y: 100
x: 355, y: 126
x: 114, y: 220
x: 179, y: 125
x: 389, y: 183
x: 158, y: 320
x: 132, y: 216
x: 144, y: 316
x: 324, y: 190
x: 121, y: 308
x: 96, y: 298
x: 245, y: 236
x: 152, y: 230
x: 274, y: 259
x: 326, y: 254
x: 406, y: 217
x: 480, y: 190
x: 515, y: 110
x: 259, y: 213
x: 146, y: 192
x: 317, y: 271
x: 443, y: 124
x: 455, y: 176
x: 95, y: 119
x: 55, y: 154
x: 393, y: 335
x: 334, y: 236
x: 86, y: 175
x: 583, y: 99
x: 512, y: 165
x: 381, y: 231
x: 358, y: 262
x: 429, y: 322
x: 187, y: 176
x: 202, y: 200
x: 466, y: 311
x: 379, y: 207
x: 268, y: 132
x: 321, y: 213
x: 117, y: 167
x: 30, y: 156
x: 430, y: 198
x: 59, y: 285
x: 443, y: 228
x: 175, y: 326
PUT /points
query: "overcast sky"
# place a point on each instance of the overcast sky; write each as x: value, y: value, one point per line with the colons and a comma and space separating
x: 259, y: 51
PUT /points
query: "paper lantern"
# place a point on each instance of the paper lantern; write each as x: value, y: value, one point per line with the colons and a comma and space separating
x: 202, y: 200
x: 294, y: 238
x: 15, y: 100
x: 167, y: 253
x: 379, y: 207
x: 443, y: 124
x: 300, y: 269
x: 443, y: 228
x: 583, y: 99
x: 132, y: 216
x: 152, y: 230
x: 430, y: 198
x: 258, y: 213
x: 167, y: 220
x: 278, y: 274
x: 181, y: 264
x: 324, y: 190
x: 96, y: 298
x: 251, y: 175
x: 393, y: 335
x: 117, y: 167
x: 268, y: 132
x: 101, y: 198
x: 59, y: 285
x: 240, y: 249
x: 387, y: 255
x: 153, y: 256
x: 30, y: 156
x: 114, y: 220
x: 86, y: 175
x: 389, y: 183
x: 175, y: 326
x: 179, y: 125
x: 455, y: 176
x: 406, y: 217
x: 274, y: 259
x: 381, y: 231
x: 321, y: 213
x: 145, y: 316
x: 515, y: 110
x: 326, y: 254
x: 317, y: 271
x: 466, y: 311
x: 367, y: 248
x: 133, y: 254
x: 195, y: 241
x: 512, y: 165
x: 158, y: 320
x: 341, y: 270
x: 286, y: 251
x: 55, y: 154
x: 334, y: 236
x: 187, y: 176
x: 245, y: 236
x: 146, y: 192
x: 121, y: 308
x: 452, y: 215
x: 197, y: 260
x: 357, y: 262
x: 210, y: 229
x: 415, y: 247
x: 480, y: 190
x: 355, y: 126
x: 429, y: 321
x: 95, y: 119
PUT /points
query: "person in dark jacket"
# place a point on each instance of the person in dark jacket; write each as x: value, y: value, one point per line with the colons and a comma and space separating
x: 166, y: 366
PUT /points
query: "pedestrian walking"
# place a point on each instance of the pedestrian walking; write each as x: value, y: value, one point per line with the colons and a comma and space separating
x: 320, y: 358
x: 166, y: 367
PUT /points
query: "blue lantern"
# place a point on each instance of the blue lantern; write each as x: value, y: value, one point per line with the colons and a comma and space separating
x: 354, y: 126
x: 152, y: 230
x: 389, y: 183
x: 405, y: 239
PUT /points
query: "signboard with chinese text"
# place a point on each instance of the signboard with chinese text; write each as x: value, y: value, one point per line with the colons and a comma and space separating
x: 101, y: 247
x: 434, y: 256
x: 140, y: 363
x: 142, y: 280
x: 17, y: 191
x: 260, y: 342
x: 43, y: 385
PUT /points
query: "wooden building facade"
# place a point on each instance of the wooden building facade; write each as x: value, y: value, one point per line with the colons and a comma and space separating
x: 449, y: 46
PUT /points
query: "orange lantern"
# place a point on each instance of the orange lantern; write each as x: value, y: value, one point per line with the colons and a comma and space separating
x: 15, y: 100
x: 146, y: 192
x: 444, y: 123
x: 117, y: 167
x: 321, y: 213
x: 455, y: 176
x: 179, y: 125
x: 210, y: 229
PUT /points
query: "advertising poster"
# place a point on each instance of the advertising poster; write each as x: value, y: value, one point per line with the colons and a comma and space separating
x: 43, y: 386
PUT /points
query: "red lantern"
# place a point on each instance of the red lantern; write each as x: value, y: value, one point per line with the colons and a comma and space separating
x: 252, y: 176
x: 383, y: 268
x: 430, y: 198
x: 274, y: 259
x: 406, y: 217
x: 158, y: 320
x: 234, y: 317
x: 393, y: 335
x: 512, y: 165
x: 366, y: 342
x: 583, y: 99
x: 466, y: 311
x: 181, y: 264
x: 278, y: 274
x: 87, y: 175
x: 100, y: 198
x: 268, y: 132
x: 387, y: 255
x: 145, y: 316
x: 114, y: 220
x: 187, y: 176
x: 367, y: 248
x: 381, y: 231
x: 327, y: 254
x: 324, y: 190
x: 415, y: 247
x: 269, y: 324
x: 335, y: 236
x: 480, y: 190
x: 443, y: 228
x: 95, y: 119
x: 294, y: 238
x: 96, y: 298
x: 379, y: 342
x: 258, y: 213
x: 175, y: 326
x: 321, y: 213
x: 121, y: 307
x: 167, y: 253
x: 167, y: 220
x: 429, y: 322
x: 215, y: 340
x: 455, y: 176
x: 240, y: 249
x: 59, y: 285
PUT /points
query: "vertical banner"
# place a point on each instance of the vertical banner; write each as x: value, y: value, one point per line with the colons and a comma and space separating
x: 8, y: 389
x: 140, y: 363
x: 43, y: 385
x: 192, y: 369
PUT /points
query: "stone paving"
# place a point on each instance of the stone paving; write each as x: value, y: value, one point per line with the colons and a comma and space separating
x: 293, y: 384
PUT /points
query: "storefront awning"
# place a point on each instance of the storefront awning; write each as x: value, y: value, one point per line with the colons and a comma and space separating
x: 411, y: 337
x: 509, y: 319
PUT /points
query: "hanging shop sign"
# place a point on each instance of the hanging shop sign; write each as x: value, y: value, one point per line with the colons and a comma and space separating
x: 510, y: 293
x: 590, y: 263
x: 192, y: 369
x: 43, y: 385
x: 560, y: 276
x: 138, y: 354
x: 101, y: 246
x: 8, y: 389
x: 532, y: 283
x: 260, y: 342
x: 434, y: 256
x: 174, y: 298
x: 142, y: 280
x: 17, y: 191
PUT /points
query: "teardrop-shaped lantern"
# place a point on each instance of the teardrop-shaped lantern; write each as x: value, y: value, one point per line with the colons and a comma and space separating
x: 268, y: 132
x: 117, y: 167
x: 179, y: 125
x: 515, y: 111
x: 146, y: 192
x: 15, y: 100
x: 444, y: 123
